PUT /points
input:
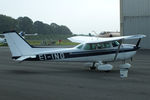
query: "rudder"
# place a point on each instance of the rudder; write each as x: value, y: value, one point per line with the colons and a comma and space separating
x: 18, y: 46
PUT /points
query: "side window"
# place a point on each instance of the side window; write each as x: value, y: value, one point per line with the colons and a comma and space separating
x: 87, y: 47
x: 99, y: 46
x: 106, y: 45
x: 96, y: 46
x: 93, y: 46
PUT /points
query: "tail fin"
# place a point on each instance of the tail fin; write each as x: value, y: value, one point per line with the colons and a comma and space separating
x: 18, y: 46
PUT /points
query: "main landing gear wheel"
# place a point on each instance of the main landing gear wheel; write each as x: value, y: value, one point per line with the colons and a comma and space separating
x: 93, y: 68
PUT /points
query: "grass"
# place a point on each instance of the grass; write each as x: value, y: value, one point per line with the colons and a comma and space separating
x: 3, y: 44
x: 34, y: 42
x: 66, y: 43
x: 46, y: 40
x: 49, y: 40
x: 46, y: 43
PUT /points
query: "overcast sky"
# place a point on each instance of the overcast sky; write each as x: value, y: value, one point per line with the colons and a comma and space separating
x: 81, y: 16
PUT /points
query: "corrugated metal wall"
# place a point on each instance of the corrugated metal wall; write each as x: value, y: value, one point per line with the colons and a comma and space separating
x: 135, y: 19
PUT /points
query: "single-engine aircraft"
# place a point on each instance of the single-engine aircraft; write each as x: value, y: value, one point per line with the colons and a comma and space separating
x: 2, y: 40
x: 23, y: 34
x: 106, y: 34
x: 98, y: 51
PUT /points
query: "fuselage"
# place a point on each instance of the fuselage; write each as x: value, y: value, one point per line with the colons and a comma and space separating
x: 81, y: 54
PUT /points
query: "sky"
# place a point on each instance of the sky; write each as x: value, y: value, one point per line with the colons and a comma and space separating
x: 80, y: 16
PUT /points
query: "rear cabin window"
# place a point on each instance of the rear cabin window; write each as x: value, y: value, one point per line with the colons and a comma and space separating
x: 87, y: 47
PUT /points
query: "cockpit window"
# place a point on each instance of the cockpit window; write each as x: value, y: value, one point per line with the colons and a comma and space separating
x: 115, y: 43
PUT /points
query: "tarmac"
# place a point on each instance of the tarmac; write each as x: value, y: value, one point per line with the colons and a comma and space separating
x: 72, y: 81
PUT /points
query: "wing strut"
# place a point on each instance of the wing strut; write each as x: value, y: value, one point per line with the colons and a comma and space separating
x: 137, y: 45
x: 120, y: 41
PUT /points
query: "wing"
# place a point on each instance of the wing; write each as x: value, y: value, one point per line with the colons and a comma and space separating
x: 88, y: 39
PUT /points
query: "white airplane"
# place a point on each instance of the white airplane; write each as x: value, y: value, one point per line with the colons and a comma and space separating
x: 98, y: 51
x: 107, y: 34
x: 2, y: 40
x: 23, y: 34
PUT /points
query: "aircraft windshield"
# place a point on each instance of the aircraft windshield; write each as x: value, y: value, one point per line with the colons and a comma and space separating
x: 115, y: 43
x: 96, y: 46
x: 80, y: 46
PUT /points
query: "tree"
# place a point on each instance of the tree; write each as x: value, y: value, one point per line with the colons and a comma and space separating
x: 25, y: 24
x: 7, y: 23
x: 38, y: 27
x: 65, y: 30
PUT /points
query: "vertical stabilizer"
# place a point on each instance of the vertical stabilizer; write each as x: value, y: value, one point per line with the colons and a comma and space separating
x: 18, y: 46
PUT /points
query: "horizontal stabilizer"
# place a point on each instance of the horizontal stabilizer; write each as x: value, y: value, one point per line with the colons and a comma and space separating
x: 22, y: 58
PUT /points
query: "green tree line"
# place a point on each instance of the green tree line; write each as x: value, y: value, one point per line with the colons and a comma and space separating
x: 28, y: 26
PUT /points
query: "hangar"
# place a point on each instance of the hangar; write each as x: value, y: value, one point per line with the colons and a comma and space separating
x: 135, y: 19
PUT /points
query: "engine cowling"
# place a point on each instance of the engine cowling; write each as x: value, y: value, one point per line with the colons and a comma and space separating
x: 105, y: 67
